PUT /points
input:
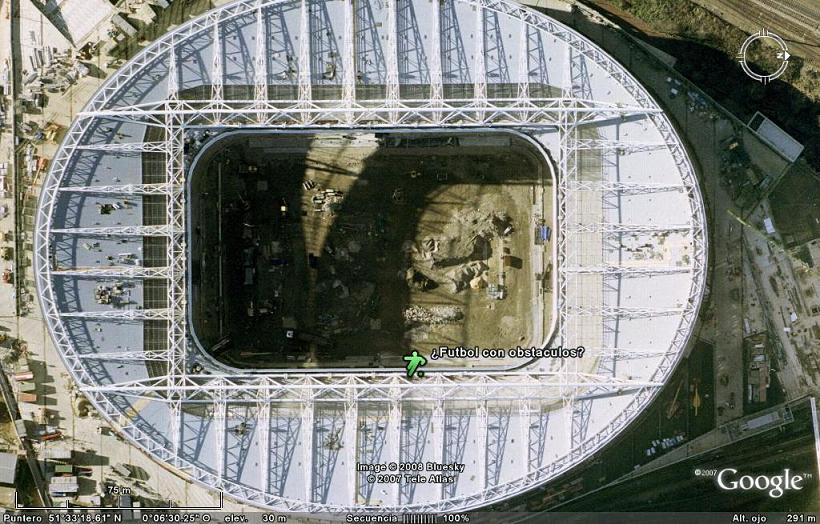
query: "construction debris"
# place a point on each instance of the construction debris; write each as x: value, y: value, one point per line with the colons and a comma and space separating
x: 51, y: 71
x: 461, y: 277
x: 433, y: 315
x: 468, y: 237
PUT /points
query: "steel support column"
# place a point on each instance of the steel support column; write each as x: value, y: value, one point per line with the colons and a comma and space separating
x: 306, y: 431
x: 480, y: 74
x: 393, y: 445
x: 305, y: 75
x: 263, y: 425
x: 436, y: 88
x: 392, y: 94
x: 349, y: 58
x: 217, y: 69
x: 220, y: 435
x: 351, y: 448
x: 260, y: 66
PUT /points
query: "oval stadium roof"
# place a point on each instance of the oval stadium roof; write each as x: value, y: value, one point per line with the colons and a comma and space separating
x: 630, y: 250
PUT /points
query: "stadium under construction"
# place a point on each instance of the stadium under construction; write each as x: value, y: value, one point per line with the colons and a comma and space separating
x: 115, y: 239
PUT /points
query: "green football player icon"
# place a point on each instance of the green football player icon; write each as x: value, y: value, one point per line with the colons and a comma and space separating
x: 414, y: 361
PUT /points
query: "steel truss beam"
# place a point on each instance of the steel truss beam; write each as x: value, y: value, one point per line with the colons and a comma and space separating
x: 370, y: 446
x: 285, y: 428
x: 175, y: 218
x: 577, y: 76
x: 496, y: 68
x: 172, y: 88
x: 134, y: 356
x: 175, y: 429
x: 128, y: 147
x: 477, y: 387
x: 437, y: 432
x: 498, y: 424
x: 609, y: 228
x: 581, y: 410
x: 260, y: 65
x: 305, y: 76
x: 263, y: 427
x: 351, y: 446
x: 306, y: 431
x: 217, y: 70
x: 536, y: 426
x: 220, y: 421
x: 436, y: 87
x: 415, y: 427
x: 454, y: 111
x: 524, y: 66
x: 328, y: 429
x: 621, y: 353
x: 622, y: 147
x: 568, y: 165
x: 392, y: 93
x: 482, y: 444
x: 393, y: 444
x: 456, y: 425
x: 113, y: 272
x: 525, y: 444
x: 623, y: 187
x: 117, y: 231
x: 480, y: 74
x: 121, y: 314
x: 629, y: 270
x: 125, y: 189
x: 624, y: 312
x: 349, y: 57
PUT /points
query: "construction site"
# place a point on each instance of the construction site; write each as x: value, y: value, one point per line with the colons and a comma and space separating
x: 224, y: 225
x: 244, y: 221
x: 350, y: 250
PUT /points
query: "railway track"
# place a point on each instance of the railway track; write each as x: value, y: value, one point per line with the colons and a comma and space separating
x: 796, y: 21
x: 804, y: 12
x: 791, y: 17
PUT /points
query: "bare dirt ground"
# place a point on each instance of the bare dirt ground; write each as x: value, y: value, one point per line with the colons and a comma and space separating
x: 352, y: 251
